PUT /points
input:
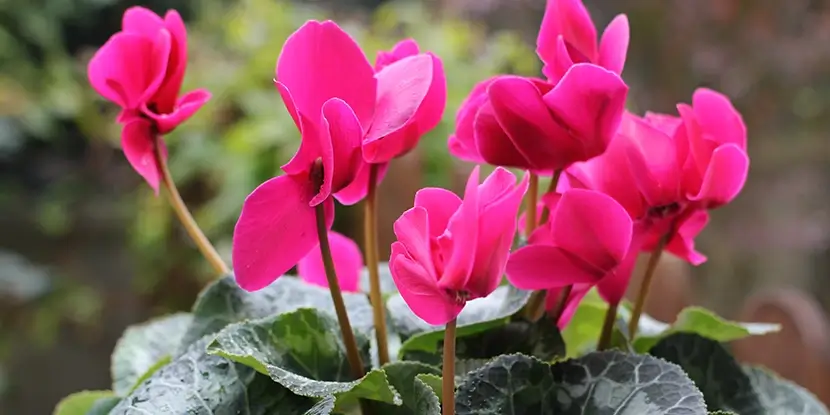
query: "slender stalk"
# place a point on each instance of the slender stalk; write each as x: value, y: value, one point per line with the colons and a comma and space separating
x: 554, y: 181
x: 556, y: 313
x: 532, y: 199
x: 607, y: 327
x: 653, y: 260
x: 448, y: 373
x: 337, y: 296
x: 370, y: 231
x: 196, y: 234
x: 535, y: 307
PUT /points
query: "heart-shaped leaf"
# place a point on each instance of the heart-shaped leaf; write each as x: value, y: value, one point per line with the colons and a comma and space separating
x: 223, y: 303
x: 144, y: 348
x: 700, y: 321
x: 87, y: 403
x: 303, y: 351
x: 478, y: 315
x: 418, y: 397
x: 199, y: 383
x: 597, y: 383
x: 727, y: 386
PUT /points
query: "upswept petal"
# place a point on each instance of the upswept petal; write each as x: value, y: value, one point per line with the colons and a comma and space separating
x: 412, y: 232
x: 570, y: 19
x: 593, y: 227
x: 589, y: 101
x: 277, y: 228
x: 462, y: 144
x: 319, y: 62
x: 419, y: 289
x: 724, y: 178
x: 682, y: 243
x: 137, y: 143
x: 358, y: 189
x: 440, y: 204
x: 348, y: 262
x: 614, y: 45
x: 402, y: 88
x: 559, y: 62
x: 142, y: 21
x: 166, y: 97
x: 459, y: 243
x: 339, y: 148
x: 652, y: 159
x: 402, y: 49
x: 186, y: 106
x: 718, y: 118
x: 613, y: 286
x: 493, y: 144
x: 542, y: 267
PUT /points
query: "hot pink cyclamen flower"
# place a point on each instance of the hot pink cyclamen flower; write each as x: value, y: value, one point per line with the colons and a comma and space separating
x: 338, y: 103
x: 348, y: 262
x: 585, y: 243
x: 451, y: 250
x: 141, y: 69
x: 568, y: 36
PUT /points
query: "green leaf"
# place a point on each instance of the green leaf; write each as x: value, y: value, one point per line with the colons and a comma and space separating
x: 434, y: 382
x: 782, y: 397
x: 144, y: 348
x: 418, y: 397
x: 583, y: 331
x: 597, y: 383
x: 724, y: 384
x: 199, y: 383
x: 303, y: 351
x: 478, y: 315
x: 324, y: 406
x: 387, y: 284
x: 82, y: 403
x: 541, y: 340
x: 700, y: 321
x: 223, y: 303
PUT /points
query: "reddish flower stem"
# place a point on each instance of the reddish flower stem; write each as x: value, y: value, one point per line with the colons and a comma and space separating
x: 196, y: 234
x: 535, y: 307
x: 532, y: 199
x: 370, y: 231
x: 448, y: 372
x: 607, y: 327
x: 653, y: 260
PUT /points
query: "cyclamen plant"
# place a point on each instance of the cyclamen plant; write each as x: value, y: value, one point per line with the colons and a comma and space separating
x: 465, y: 318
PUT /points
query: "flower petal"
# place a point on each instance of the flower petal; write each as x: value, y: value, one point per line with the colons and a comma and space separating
x: 493, y: 143
x: 682, y: 242
x: 570, y: 19
x: 462, y: 144
x: 559, y: 62
x: 577, y: 293
x: 348, y: 262
x: 542, y: 267
x: 600, y: 243
x: 401, y: 90
x: 184, y: 109
x: 137, y: 143
x: 458, y: 244
x: 412, y: 232
x: 359, y: 187
x: 589, y: 101
x: 404, y: 48
x: 725, y: 176
x: 652, y: 159
x: 142, y: 21
x: 440, y: 204
x: 277, y: 228
x: 166, y: 97
x: 319, y: 62
x: 419, y: 289
x: 718, y: 118
x: 339, y: 148
x: 614, y: 45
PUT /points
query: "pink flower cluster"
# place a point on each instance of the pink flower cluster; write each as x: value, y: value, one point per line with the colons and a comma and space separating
x: 629, y: 183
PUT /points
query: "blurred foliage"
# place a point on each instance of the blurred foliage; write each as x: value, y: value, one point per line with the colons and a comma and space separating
x: 62, y: 172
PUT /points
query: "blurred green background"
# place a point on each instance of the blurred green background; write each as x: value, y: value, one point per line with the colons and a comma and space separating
x: 86, y: 248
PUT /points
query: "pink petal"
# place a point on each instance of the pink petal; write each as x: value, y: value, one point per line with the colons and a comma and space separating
x: 613, y: 286
x: 432, y: 109
x: 142, y: 21
x: 401, y: 90
x: 718, y: 117
x: 559, y: 62
x: 412, y: 232
x: 578, y: 292
x: 404, y: 48
x: 682, y: 243
x: 499, y: 201
x: 348, y: 262
x: 652, y: 160
x: 526, y: 120
x: 359, y: 187
x: 184, y: 109
x: 339, y: 148
x: 166, y: 98
x: 319, y: 62
x: 458, y: 245
x: 462, y: 144
x: 725, y: 176
x: 419, y: 289
x: 309, y: 149
x: 589, y: 101
x: 576, y: 228
x: 440, y: 204
x: 570, y: 19
x: 277, y: 228
x: 614, y: 45
x: 542, y: 267
x: 137, y: 143
x: 493, y: 143
x: 129, y: 68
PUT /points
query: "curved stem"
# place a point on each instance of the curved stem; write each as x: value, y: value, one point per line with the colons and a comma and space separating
x: 532, y: 199
x: 370, y: 231
x: 535, y: 307
x: 653, y: 260
x: 607, y: 327
x: 554, y: 181
x: 337, y: 296
x: 556, y: 313
x: 448, y: 372
x: 199, y: 238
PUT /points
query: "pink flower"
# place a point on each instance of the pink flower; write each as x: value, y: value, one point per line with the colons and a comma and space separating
x: 141, y: 69
x: 348, y: 262
x: 531, y: 124
x: 552, y: 298
x: 568, y: 36
x: 586, y: 242
x: 451, y: 250
x: 338, y: 103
